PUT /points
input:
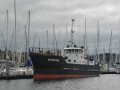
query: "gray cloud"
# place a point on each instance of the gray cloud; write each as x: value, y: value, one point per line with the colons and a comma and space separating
x: 45, y: 13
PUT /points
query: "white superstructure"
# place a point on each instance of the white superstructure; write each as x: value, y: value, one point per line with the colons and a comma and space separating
x: 75, y: 55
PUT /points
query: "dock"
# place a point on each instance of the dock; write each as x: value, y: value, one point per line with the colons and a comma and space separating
x: 16, y: 77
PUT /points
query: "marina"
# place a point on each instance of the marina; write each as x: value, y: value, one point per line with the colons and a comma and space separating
x: 59, y: 45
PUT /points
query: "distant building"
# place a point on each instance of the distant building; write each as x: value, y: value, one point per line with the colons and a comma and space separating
x: 107, y: 58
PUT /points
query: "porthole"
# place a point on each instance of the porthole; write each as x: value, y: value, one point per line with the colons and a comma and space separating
x: 69, y: 60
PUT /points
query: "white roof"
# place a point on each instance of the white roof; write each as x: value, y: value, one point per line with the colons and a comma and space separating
x: 73, y: 48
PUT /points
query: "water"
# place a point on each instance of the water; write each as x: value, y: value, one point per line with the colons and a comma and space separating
x: 103, y: 82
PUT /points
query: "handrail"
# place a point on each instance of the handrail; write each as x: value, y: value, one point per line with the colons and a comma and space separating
x: 45, y: 50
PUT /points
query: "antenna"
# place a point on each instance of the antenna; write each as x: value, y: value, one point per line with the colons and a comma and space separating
x: 84, y: 40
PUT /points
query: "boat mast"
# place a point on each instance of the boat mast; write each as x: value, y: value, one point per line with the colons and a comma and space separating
x: 59, y: 40
x: 3, y: 39
x: 12, y: 36
x: 119, y: 52
x: 66, y: 33
x: 84, y: 40
x: 39, y: 42
x: 119, y: 45
x: 104, y: 56
x: 110, y: 50
x: 28, y: 30
x: 54, y: 37
x: 15, y: 38
x: 15, y: 43
x: 34, y: 40
x: 86, y: 47
x: 98, y: 39
x: 95, y: 52
x: 7, y: 31
x: 26, y: 44
x: 79, y: 36
x: 72, y: 32
x: 6, y: 50
x: 47, y: 39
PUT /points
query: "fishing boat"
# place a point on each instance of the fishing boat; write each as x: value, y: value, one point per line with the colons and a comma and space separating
x: 51, y: 64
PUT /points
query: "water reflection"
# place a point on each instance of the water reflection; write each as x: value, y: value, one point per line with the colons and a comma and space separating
x: 104, y: 82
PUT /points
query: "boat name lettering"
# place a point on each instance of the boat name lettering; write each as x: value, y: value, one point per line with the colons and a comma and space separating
x: 54, y: 60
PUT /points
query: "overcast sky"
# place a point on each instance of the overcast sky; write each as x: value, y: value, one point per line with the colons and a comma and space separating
x: 45, y: 13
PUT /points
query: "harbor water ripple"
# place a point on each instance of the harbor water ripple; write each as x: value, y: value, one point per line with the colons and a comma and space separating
x: 102, y: 82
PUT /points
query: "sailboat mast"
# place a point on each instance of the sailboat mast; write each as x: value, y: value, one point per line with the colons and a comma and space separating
x: 6, y: 49
x: 119, y: 51
x: 26, y: 44
x: 12, y: 36
x: 39, y: 42
x: 47, y: 39
x: 98, y: 39
x: 104, y: 56
x: 85, y: 36
x: 28, y: 30
x: 15, y: 43
x: 59, y: 40
x: 66, y: 33
x: 54, y: 36
x: 119, y: 45
x: 110, y: 47
x: 7, y: 31
x: 79, y: 36
x: 34, y: 40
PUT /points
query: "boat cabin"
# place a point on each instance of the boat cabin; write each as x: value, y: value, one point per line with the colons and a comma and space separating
x: 75, y: 55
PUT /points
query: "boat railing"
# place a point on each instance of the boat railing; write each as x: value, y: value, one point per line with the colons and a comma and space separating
x: 45, y: 51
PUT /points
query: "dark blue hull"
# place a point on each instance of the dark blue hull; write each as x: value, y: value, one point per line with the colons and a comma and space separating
x: 53, y: 66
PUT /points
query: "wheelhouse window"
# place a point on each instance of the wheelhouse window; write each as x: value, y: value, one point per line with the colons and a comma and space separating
x: 66, y: 51
x: 76, y: 50
x: 73, y: 51
x: 80, y: 51
x: 70, y: 50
